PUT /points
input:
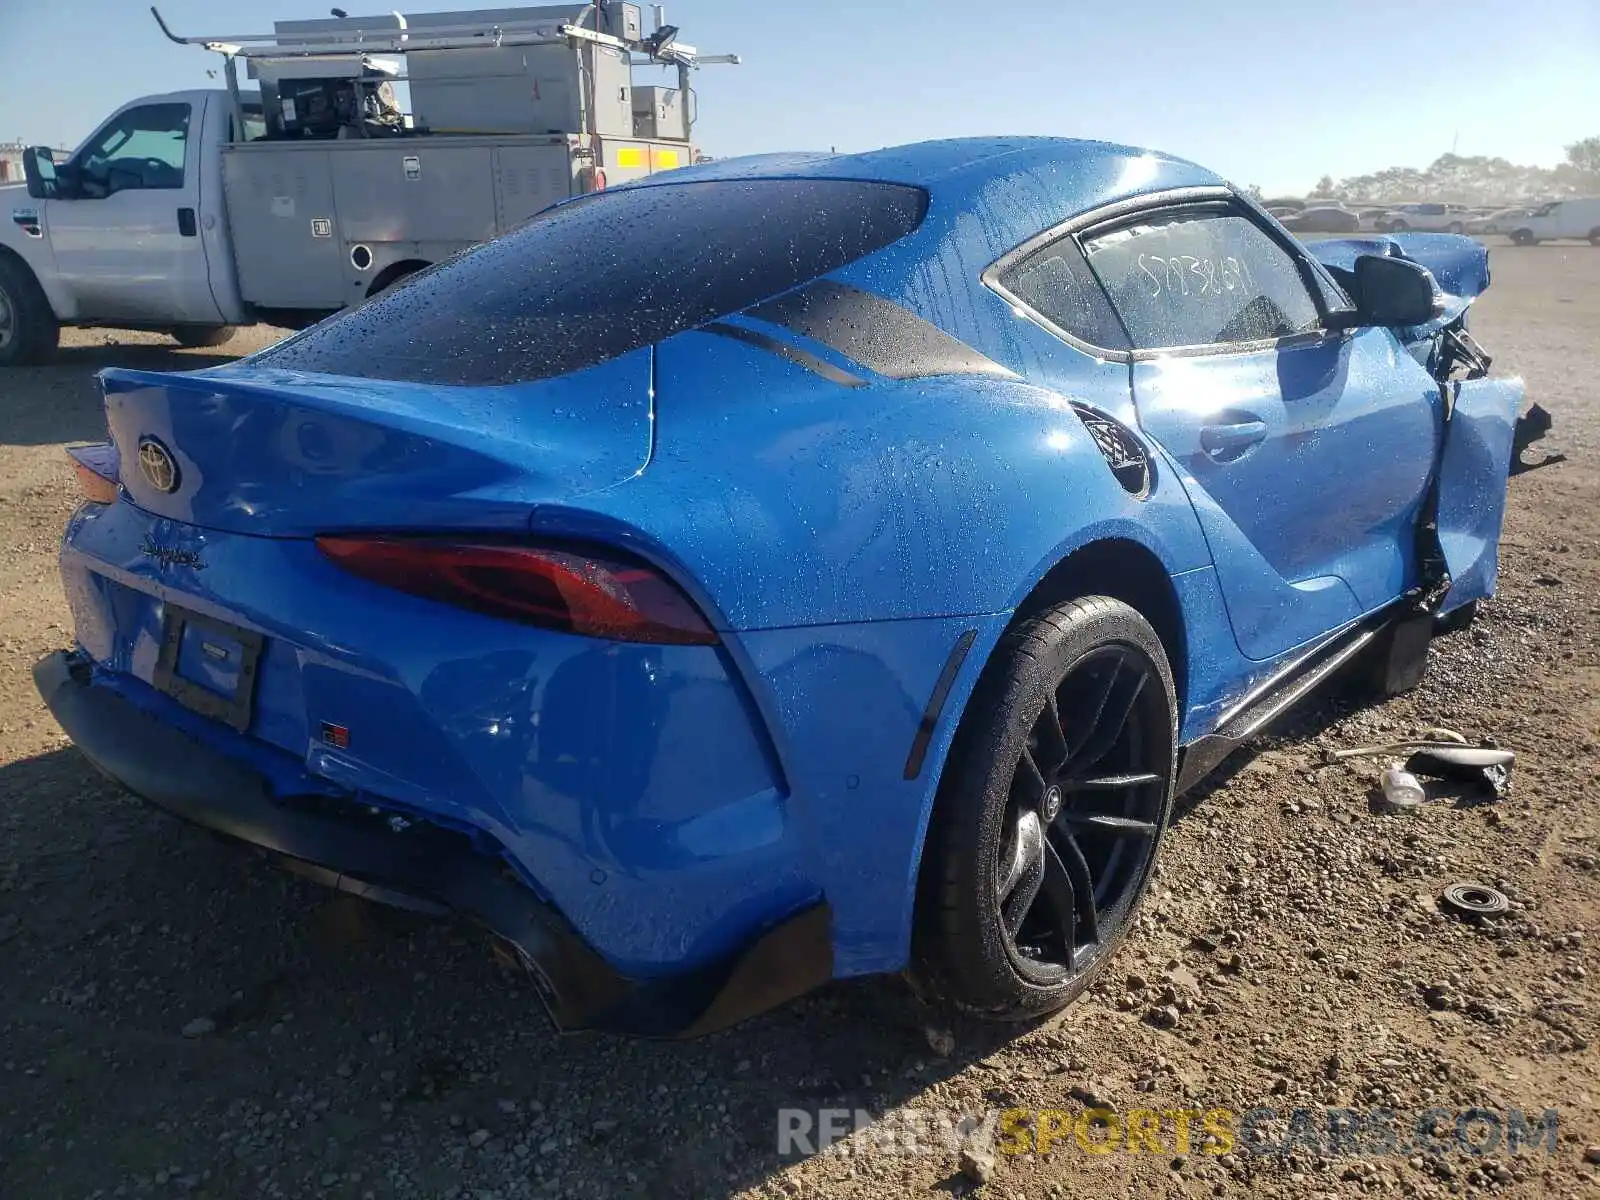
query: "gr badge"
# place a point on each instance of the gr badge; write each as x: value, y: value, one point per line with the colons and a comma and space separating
x: 321, y: 227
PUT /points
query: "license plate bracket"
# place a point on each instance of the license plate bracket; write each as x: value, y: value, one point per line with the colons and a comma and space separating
x: 185, y: 634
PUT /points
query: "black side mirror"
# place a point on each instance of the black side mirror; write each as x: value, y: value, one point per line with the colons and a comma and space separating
x: 39, y: 168
x: 1395, y: 291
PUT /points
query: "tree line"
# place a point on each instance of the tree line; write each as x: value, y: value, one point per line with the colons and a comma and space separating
x: 1474, y: 179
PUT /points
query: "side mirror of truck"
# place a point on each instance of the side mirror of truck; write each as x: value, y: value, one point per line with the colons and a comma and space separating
x: 39, y: 168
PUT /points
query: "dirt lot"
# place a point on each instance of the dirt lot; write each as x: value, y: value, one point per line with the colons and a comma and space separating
x: 1294, y: 937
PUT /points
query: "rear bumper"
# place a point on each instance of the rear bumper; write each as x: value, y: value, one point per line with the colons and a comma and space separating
x: 429, y: 868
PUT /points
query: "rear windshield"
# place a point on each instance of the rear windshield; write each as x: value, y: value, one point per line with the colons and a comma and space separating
x: 601, y: 276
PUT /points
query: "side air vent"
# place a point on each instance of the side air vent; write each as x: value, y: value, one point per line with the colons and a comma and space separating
x: 1121, y: 450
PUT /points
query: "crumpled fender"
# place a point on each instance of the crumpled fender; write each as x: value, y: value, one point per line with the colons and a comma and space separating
x: 1459, y: 265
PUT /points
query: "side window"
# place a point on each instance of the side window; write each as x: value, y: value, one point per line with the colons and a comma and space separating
x: 255, y: 125
x: 141, y: 148
x: 1201, y: 279
x: 1056, y: 283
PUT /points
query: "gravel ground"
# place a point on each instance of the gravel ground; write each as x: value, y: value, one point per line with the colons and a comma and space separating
x: 180, y: 1018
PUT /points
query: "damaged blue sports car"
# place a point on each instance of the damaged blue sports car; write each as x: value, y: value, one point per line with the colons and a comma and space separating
x: 790, y: 568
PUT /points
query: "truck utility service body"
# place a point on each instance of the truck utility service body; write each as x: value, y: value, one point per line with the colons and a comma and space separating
x: 198, y: 210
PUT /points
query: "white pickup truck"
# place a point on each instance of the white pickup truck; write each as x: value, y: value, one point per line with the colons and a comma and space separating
x: 142, y: 242
x: 198, y: 211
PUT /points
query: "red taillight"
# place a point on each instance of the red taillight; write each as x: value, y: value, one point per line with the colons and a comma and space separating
x: 96, y: 467
x: 601, y: 596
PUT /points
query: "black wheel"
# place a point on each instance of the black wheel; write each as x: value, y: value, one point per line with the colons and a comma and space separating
x: 1398, y: 227
x: 28, y: 329
x: 1457, y: 618
x: 1522, y: 237
x: 199, y: 337
x: 1455, y: 227
x: 1050, y: 812
x: 1594, y: 237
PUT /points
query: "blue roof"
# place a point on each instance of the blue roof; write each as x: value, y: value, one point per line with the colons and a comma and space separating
x: 1020, y: 184
x: 986, y: 196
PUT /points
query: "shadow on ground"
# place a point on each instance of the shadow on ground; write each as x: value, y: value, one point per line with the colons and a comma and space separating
x: 73, y: 411
x: 121, y: 926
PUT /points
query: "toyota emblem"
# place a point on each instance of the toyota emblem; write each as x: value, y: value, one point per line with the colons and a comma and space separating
x: 157, y: 466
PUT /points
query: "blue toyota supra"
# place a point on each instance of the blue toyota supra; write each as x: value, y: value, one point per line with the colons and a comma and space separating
x: 790, y: 568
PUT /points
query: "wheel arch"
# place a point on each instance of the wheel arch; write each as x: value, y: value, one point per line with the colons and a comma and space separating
x: 11, y: 254
x: 1125, y: 570
x: 1113, y: 565
x: 395, y: 272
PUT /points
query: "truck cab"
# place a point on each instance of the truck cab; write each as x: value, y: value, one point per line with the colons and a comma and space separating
x: 129, y: 231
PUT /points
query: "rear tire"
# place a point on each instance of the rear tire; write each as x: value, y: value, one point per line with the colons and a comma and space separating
x: 1457, y: 619
x: 29, y: 332
x: 1455, y: 227
x: 202, y: 337
x: 1013, y: 812
x: 1398, y: 227
x: 1594, y: 237
x: 1522, y: 237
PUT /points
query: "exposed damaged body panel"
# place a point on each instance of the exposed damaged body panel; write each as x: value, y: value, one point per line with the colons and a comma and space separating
x: 1459, y: 265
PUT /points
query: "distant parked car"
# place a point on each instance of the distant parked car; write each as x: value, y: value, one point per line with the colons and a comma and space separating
x: 1501, y: 220
x: 1322, y: 218
x: 1576, y: 218
x: 1427, y: 218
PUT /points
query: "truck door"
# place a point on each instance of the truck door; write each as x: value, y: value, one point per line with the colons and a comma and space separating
x: 126, y: 230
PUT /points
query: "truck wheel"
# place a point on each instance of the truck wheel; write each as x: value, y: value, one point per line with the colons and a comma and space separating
x: 1049, y: 812
x: 1398, y: 226
x: 1594, y: 236
x: 198, y: 337
x: 29, y: 332
x: 1456, y: 227
x: 1522, y: 237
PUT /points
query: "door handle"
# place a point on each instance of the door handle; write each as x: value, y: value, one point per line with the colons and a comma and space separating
x: 186, y: 225
x: 1224, y: 443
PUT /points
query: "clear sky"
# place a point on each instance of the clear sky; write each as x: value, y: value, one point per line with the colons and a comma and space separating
x: 1267, y: 93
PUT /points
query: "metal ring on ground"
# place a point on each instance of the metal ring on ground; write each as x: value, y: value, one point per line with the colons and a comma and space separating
x: 1474, y: 900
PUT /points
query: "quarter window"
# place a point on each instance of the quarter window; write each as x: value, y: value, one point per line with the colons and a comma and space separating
x: 1056, y: 283
x: 1201, y: 279
x: 657, y: 260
